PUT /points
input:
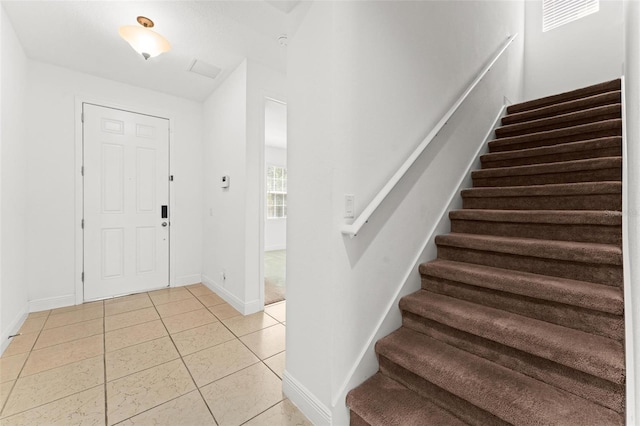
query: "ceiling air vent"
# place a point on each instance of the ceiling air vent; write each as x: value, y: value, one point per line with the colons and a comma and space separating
x: 556, y: 13
x: 205, y: 69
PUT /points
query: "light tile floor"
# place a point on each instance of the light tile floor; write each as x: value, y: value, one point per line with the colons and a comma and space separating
x: 179, y: 356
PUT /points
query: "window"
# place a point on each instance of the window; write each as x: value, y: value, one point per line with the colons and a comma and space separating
x: 556, y: 13
x: 276, y: 192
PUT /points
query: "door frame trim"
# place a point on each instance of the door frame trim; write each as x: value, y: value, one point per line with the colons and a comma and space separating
x: 78, y: 182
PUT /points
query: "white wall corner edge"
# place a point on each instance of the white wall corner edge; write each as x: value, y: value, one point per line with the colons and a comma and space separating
x: 246, y: 308
x: 316, y: 411
x: 13, y: 328
x: 187, y: 280
x: 52, y: 303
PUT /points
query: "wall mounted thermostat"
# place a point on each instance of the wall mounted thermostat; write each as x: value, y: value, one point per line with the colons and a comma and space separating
x: 224, y: 181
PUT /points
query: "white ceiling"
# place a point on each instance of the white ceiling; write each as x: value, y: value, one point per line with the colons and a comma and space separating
x: 83, y: 35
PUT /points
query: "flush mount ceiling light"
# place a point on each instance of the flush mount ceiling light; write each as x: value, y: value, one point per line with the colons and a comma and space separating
x: 146, y: 42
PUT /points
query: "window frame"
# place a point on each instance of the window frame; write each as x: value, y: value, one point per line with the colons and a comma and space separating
x: 277, y: 190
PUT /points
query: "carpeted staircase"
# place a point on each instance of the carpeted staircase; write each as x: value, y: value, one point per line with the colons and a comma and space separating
x: 520, y: 318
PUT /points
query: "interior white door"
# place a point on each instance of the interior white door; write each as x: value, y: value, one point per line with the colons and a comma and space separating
x: 126, y: 183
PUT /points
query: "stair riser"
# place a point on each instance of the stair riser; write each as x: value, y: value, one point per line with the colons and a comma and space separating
x: 462, y: 409
x: 525, y: 129
x: 489, y: 163
x: 356, y: 420
x: 550, y: 141
x: 579, y: 105
x: 565, y: 97
x: 596, y: 273
x: 590, y: 321
x: 592, y: 388
x: 598, y: 175
x: 611, y: 202
x: 558, y: 232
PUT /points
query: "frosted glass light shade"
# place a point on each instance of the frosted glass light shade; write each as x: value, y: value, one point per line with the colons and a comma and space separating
x: 146, y: 42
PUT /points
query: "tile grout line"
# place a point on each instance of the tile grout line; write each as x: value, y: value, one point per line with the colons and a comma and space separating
x: 185, y: 364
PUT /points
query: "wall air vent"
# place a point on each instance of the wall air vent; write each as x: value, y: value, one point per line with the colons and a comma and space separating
x: 556, y: 13
x: 205, y: 69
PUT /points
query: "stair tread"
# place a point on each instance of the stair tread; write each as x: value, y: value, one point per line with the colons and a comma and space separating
x: 557, y: 167
x: 615, y: 109
x: 572, y: 251
x: 565, y: 96
x: 511, y: 396
x: 557, y: 133
x: 599, y: 297
x: 589, y: 353
x: 577, y: 188
x: 572, y: 105
x: 564, y: 217
x: 383, y: 401
x: 590, y: 144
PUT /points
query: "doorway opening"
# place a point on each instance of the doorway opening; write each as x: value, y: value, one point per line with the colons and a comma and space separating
x: 275, y: 219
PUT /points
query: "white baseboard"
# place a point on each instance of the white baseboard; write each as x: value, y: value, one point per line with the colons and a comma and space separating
x: 52, y: 303
x: 276, y: 247
x: 13, y: 328
x: 187, y: 280
x: 246, y: 308
x: 316, y: 411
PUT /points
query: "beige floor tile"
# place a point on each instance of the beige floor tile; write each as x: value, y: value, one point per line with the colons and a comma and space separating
x: 199, y: 289
x: 266, y: 342
x: 38, y: 389
x: 277, y: 311
x: 242, y: 395
x: 63, y: 354
x: 39, y: 314
x: 83, y: 408
x: 181, y: 322
x: 146, y: 389
x: 283, y: 414
x: 202, y: 337
x: 81, y: 307
x: 179, y: 307
x: 136, y: 358
x: 167, y: 295
x: 127, y: 298
x: 68, y: 333
x: 133, y: 335
x: 224, y: 311
x: 187, y: 410
x: 32, y: 325
x: 10, y: 366
x: 276, y: 363
x: 20, y: 344
x: 211, y: 299
x: 72, y: 317
x: 219, y: 361
x: 127, y: 306
x: 130, y: 318
x: 5, y: 388
x: 250, y: 323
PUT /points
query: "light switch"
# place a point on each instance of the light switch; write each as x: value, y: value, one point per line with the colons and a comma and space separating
x: 349, y: 206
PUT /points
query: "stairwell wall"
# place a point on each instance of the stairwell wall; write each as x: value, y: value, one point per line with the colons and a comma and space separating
x: 577, y: 54
x: 632, y: 300
x: 13, y: 225
x: 382, y: 73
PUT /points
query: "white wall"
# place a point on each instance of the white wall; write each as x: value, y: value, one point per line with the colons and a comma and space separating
x: 13, y: 223
x: 632, y: 295
x: 275, y: 230
x: 367, y: 81
x: 578, y: 54
x: 51, y: 176
x: 233, y: 145
x: 225, y: 134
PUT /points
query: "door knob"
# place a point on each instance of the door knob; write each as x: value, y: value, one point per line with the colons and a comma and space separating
x: 164, y: 223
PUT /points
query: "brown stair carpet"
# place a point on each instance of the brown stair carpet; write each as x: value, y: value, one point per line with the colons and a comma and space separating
x: 520, y: 318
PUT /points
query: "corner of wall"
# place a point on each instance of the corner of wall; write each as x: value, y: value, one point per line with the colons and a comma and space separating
x: 312, y: 407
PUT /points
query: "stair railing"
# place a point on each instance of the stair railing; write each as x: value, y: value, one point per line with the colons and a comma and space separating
x: 353, y: 228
